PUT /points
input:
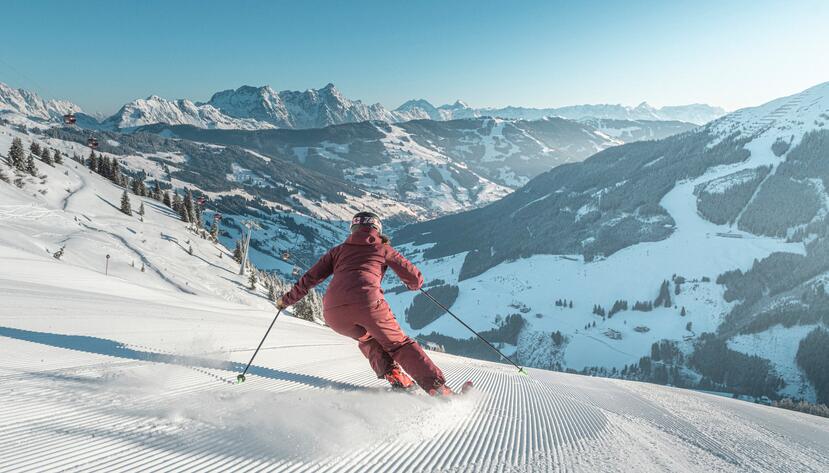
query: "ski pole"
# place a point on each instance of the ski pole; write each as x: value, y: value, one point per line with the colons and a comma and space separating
x: 520, y: 369
x: 241, y: 377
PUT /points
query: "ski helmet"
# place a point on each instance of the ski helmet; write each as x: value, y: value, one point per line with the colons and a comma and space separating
x: 369, y: 219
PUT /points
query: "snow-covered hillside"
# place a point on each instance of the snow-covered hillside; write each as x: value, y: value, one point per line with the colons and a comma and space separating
x: 132, y: 370
x: 29, y: 104
x: 438, y: 166
x: 713, y: 241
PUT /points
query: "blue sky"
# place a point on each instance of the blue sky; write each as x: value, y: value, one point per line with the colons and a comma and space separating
x: 532, y: 53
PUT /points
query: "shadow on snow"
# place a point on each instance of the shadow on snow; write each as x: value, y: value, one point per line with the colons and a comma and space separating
x: 103, y: 346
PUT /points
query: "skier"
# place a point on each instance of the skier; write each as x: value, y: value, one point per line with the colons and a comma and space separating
x: 354, y: 305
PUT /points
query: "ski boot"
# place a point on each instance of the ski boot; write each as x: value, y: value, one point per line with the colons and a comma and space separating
x: 441, y: 390
x: 398, y: 379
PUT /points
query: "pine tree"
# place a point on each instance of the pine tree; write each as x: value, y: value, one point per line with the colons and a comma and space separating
x: 309, y: 307
x: 58, y: 157
x: 188, y: 205
x: 141, y: 209
x: 177, y: 203
x: 166, y: 199
x: 135, y: 188
x: 17, y: 156
x: 46, y: 156
x: 104, y: 167
x: 682, y: 312
x: 182, y: 212
x: 214, y: 230
x: 3, y: 176
x: 31, y: 168
x: 252, y: 280
x: 197, y: 217
x: 115, y: 173
x: 92, y: 162
x: 142, y: 267
x: 156, y: 193
x: 126, y: 207
x: 35, y: 148
x: 664, y: 297
x: 142, y: 188
x: 190, y: 250
x: 237, y: 252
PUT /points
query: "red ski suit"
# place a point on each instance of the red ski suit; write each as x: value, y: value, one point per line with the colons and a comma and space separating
x: 354, y: 305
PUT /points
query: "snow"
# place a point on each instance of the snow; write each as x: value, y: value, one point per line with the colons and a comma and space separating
x: 31, y: 105
x: 133, y: 371
x: 694, y: 250
x: 721, y: 185
x: 412, y: 161
x: 779, y: 345
x: 246, y: 176
x: 787, y: 117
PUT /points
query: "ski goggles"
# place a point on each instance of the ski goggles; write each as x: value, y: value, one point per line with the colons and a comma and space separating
x: 368, y: 220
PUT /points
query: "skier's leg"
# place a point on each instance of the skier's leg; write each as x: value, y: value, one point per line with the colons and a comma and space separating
x: 381, y: 325
x: 380, y: 361
x: 340, y: 320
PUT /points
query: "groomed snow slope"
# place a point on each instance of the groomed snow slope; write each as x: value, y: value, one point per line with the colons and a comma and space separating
x: 133, y: 371
x: 124, y: 378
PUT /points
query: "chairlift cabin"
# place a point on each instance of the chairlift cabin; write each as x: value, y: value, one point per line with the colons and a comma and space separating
x: 286, y: 256
x: 201, y: 200
x: 217, y: 216
x: 296, y: 272
x: 92, y: 142
x: 69, y: 119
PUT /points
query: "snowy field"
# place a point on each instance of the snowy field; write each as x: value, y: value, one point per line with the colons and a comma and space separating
x: 132, y: 371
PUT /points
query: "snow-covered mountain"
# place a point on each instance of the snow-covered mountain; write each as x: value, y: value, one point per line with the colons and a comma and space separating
x: 155, y: 109
x: 31, y: 105
x: 313, y: 108
x: 256, y: 108
x: 440, y: 166
x: 120, y: 355
x: 700, y: 259
x: 251, y: 108
x: 695, y: 113
x: 630, y: 131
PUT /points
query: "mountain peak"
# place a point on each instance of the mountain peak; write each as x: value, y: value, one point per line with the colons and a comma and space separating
x: 415, y: 103
x: 30, y: 104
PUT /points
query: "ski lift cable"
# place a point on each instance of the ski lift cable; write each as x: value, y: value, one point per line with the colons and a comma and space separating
x: 26, y: 78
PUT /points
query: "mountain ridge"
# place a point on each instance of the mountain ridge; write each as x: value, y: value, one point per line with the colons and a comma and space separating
x: 251, y: 108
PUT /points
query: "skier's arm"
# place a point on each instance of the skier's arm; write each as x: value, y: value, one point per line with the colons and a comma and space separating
x: 405, y: 270
x: 317, y: 274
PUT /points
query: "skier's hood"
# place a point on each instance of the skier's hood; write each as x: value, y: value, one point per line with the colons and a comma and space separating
x: 364, y: 236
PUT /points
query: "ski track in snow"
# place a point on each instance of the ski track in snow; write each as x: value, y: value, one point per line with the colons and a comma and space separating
x: 104, y: 402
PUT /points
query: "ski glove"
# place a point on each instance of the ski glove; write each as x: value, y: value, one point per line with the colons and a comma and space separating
x: 280, y: 305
